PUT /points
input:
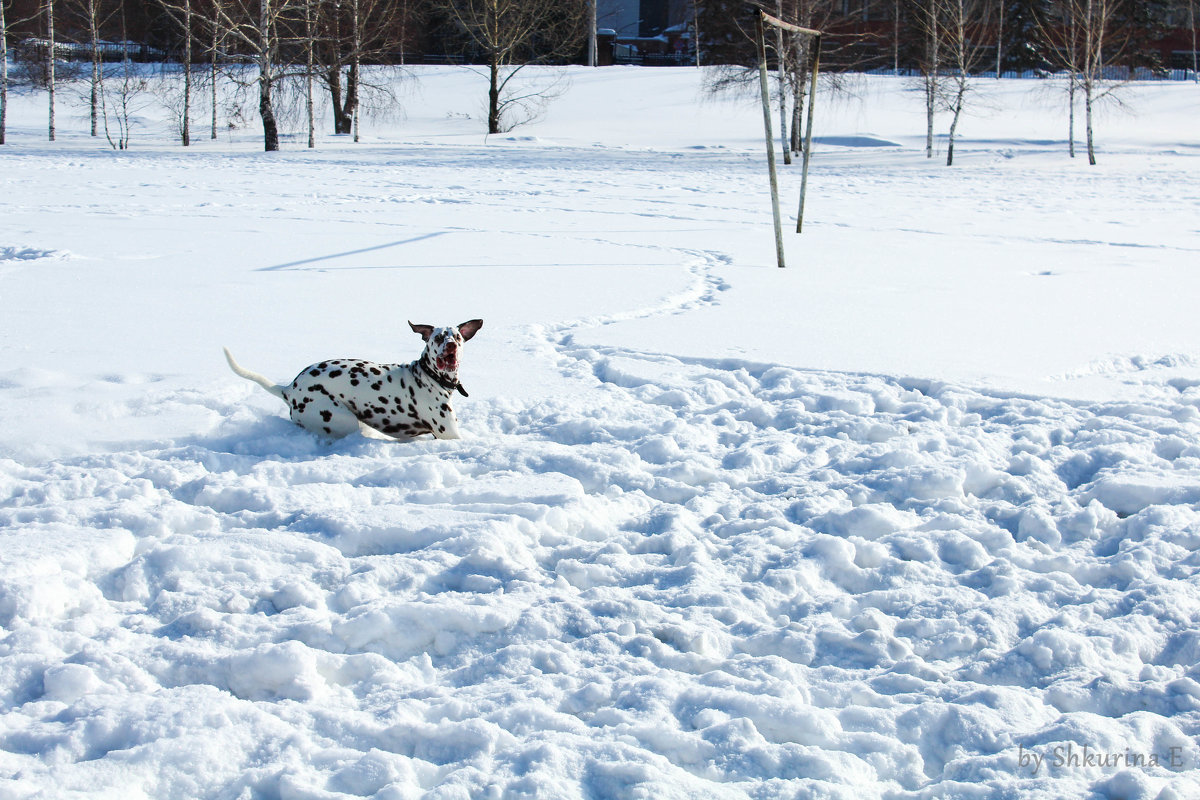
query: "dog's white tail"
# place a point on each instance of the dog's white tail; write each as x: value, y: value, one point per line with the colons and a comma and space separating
x: 253, y: 376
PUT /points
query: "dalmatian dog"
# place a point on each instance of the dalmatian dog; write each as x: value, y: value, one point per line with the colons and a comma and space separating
x: 333, y: 398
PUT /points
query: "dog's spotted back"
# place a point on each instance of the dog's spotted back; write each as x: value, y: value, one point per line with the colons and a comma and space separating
x: 333, y: 398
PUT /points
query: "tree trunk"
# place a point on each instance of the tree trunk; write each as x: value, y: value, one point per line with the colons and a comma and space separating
x: 50, y: 61
x: 270, y: 127
x: 3, y: 73
x: 798, y: 101
x: 94, y: 37
x: 309, y: 44
x: 494, y: 95
x: 953, y: 127
x: 931, y: 79
x: 1071, y: 117
x: 1087, y: 105
x: 896, y: 38
x: 343, y: 119
x: 1195, y: 54
x: 265, y: 79
x: 186, y: 128
x: 1000, y: 40
x: 1093, y: 65
x: 352, y: 85
x: 216, y: 43
x: 783, y: 115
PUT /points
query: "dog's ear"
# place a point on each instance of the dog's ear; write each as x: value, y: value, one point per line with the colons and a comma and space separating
x: 469, y: 329
x: 425, y: 330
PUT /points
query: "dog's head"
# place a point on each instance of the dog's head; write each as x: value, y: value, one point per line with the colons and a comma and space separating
x: 442, y: 345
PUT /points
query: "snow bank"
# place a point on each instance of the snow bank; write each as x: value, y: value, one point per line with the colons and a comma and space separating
x: 726, y: 579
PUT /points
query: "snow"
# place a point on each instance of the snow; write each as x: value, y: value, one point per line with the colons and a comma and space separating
x: 915, y: 517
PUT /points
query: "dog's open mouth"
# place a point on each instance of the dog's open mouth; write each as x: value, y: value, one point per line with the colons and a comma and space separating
x: 447, y: 362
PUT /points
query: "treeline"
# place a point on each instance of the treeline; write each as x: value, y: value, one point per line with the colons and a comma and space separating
x: 1009, y: 35
x: 1092, y: 46
x: 295, y: 46
x: 303, y: 47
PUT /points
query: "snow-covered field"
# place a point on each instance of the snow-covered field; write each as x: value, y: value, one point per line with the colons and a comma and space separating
x: 918, y: 516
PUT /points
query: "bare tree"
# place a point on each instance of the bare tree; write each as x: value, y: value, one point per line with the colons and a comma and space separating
x: 931, y: 66
x: 94, y: 17
x: 350, y: 33
x: 1080, y: 36
x: 511, y: 34
x: 734, y: 24
x: 185, y: 16
x: 117, y: 102
x: 121, y: 93
x: 961, y: 32
x: 257, y: 28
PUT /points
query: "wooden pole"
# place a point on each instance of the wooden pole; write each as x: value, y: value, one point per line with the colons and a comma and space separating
x: 764, y: 89
x: 808, y: 128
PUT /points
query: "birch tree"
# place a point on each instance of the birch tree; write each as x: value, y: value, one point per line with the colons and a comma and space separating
x: 731, y: 26
x: 257, y: 27
x: 511, y: 34
x: 50, y: 47
x: 216, y: 41
x: 931, y: 66
x: 351, y: 32
x: 1079, y: 34
x: 3, y: 73
x: 185, y: 132
x: 963, y: 24
x: 309, y: 48
x: 94, y: 19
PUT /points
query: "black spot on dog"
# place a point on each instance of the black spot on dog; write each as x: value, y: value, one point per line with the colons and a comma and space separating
x: 327, y: 415
x: 335, y: 373
x: 314, y: 372
x: 354, y: 381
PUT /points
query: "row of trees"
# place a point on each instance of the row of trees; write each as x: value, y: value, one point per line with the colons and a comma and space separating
x: 948, y: 44
x: 299, y: 47
x: 302, y: 46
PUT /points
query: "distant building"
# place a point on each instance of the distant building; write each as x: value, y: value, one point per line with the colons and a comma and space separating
x: 642, y: 19
x: 649, y: 31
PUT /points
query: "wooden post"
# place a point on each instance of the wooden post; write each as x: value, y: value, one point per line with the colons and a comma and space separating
x: 766, y: 107
x: 808, y: 128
